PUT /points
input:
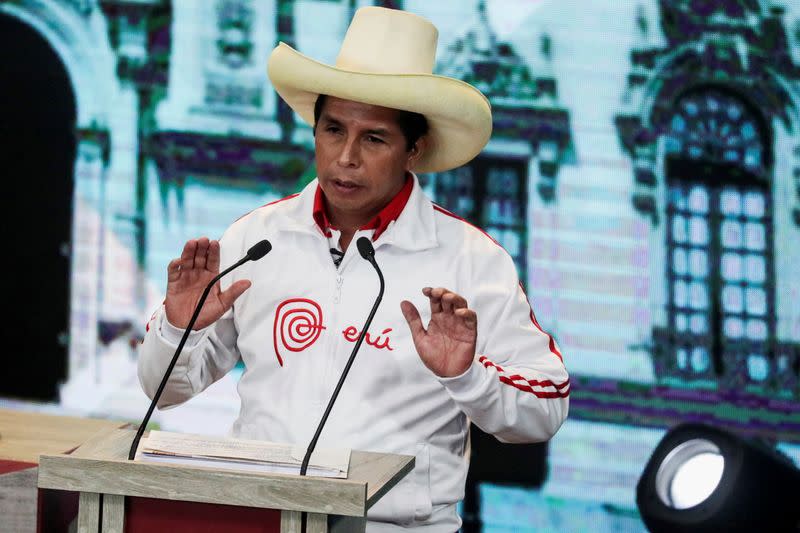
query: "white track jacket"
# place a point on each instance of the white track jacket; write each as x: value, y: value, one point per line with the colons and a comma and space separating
x: 295, y: 327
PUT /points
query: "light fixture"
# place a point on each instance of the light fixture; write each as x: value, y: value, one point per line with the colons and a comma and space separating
x: 701, y: 478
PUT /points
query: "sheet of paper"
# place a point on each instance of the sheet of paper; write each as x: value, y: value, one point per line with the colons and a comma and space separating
x: 241, y: 453
x: 229, y: 464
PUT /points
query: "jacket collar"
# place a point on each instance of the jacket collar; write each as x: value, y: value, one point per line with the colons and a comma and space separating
x: 379, y: 222
x: 409, y: 225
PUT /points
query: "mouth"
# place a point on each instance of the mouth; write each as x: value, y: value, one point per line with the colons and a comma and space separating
x: 345, y: 185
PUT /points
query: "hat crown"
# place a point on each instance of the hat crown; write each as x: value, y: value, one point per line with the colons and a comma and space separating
x: 388, y: 41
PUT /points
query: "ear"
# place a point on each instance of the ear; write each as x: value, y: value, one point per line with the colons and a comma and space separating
x: 415, y: 154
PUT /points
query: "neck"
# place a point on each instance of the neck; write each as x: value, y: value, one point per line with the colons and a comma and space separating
x: 348, y: 226
x: 345, y: 238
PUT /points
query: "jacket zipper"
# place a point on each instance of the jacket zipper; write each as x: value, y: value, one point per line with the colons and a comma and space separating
x: 337, y: 297
x: 335, y: 361
x: 331, y: 355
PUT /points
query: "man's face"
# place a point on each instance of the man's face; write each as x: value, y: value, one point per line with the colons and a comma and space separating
x: 361, y: 158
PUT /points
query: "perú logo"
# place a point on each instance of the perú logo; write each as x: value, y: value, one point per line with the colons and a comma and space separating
x: 298, y: 325
x: 351, y: 334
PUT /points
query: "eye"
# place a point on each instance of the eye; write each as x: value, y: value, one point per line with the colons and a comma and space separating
x: 375, y: 140
x: 332, y: 128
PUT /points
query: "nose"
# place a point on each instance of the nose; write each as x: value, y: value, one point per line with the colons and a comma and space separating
x: 350, y: 154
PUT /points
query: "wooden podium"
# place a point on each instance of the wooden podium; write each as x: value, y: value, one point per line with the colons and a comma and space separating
x: 120, y: 495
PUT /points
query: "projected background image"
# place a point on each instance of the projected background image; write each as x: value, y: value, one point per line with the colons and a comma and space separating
x: 644, y: 174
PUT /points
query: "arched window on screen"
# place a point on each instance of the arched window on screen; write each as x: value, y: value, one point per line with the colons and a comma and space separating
x: 719, y: 242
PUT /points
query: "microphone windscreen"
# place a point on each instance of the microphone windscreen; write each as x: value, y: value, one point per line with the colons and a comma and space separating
x: 365, y: 248
x: 259, y: 250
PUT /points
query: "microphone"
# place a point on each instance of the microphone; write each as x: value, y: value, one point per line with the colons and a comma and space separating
x: 367, y: 252
x: 256, y: 252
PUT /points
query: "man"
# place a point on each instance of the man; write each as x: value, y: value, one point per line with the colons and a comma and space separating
x: 454, y: 339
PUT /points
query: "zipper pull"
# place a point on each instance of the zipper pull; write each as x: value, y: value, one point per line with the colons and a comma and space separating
x: 338, y: 296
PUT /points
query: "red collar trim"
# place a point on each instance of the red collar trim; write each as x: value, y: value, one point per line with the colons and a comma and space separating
x: 320, y: 213
x: 379, y: 223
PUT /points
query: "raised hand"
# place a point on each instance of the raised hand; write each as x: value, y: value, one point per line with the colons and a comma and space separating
x: 187, y: 277
x: 447, y: 346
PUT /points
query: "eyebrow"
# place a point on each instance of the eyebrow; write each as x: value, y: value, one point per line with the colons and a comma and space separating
x: 378, y: 131
x: 326, y: 118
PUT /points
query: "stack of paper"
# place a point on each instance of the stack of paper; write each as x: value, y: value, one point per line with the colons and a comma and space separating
x: 240, y: 454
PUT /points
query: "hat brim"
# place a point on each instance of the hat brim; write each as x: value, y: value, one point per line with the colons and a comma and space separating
x: 459, y: 116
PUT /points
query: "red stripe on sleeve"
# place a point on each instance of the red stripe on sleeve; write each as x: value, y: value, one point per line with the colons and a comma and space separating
x: 526, y: 385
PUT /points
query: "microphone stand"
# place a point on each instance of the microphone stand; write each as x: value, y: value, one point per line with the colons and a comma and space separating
x: 367, y: 252
x: 255, y: 253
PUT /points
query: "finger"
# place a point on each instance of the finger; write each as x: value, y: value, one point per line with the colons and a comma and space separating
x: 449, y: 300
x: 234, y: 291
x: 187, y: 256
x: 174, y: 270
x: 459, y: 302
x: 469, y: 318
x: 438, y: 292
x: 200, y: 257
x: 427, y: 291
x: 411, y: 314
x: 213, y: 256
x: 435, y: 297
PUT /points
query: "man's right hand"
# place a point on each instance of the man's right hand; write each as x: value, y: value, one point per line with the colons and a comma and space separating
x: 187, y: 277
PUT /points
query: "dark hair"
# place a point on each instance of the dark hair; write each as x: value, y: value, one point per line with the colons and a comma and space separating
x: 413, y: 125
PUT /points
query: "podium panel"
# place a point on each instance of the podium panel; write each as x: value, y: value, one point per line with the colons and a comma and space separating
x: 143, y: 515
x: 117, y: 494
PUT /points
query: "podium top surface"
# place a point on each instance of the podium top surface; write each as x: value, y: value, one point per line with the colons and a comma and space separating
x: 101, y: 465
x: 24, y: 435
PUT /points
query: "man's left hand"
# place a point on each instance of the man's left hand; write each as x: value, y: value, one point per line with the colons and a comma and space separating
x: 447, y: 346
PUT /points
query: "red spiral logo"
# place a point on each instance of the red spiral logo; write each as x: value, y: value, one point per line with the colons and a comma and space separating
x: 298, y: 325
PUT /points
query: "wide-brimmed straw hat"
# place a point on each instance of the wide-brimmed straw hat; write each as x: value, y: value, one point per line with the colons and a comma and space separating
x: 387, y: 59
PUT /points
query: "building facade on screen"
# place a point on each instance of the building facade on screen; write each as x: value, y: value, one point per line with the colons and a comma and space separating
x: 644, y: 174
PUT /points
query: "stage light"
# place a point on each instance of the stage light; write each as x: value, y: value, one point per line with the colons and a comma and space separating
x: 689, y: 473
x: 703, y: 479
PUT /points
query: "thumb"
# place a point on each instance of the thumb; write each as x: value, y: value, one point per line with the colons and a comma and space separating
x: 411, y: 314
x: 234, y: 291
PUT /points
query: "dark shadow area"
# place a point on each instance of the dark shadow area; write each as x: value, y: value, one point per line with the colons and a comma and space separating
x: 519, y: 465
x: 37, y: 155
